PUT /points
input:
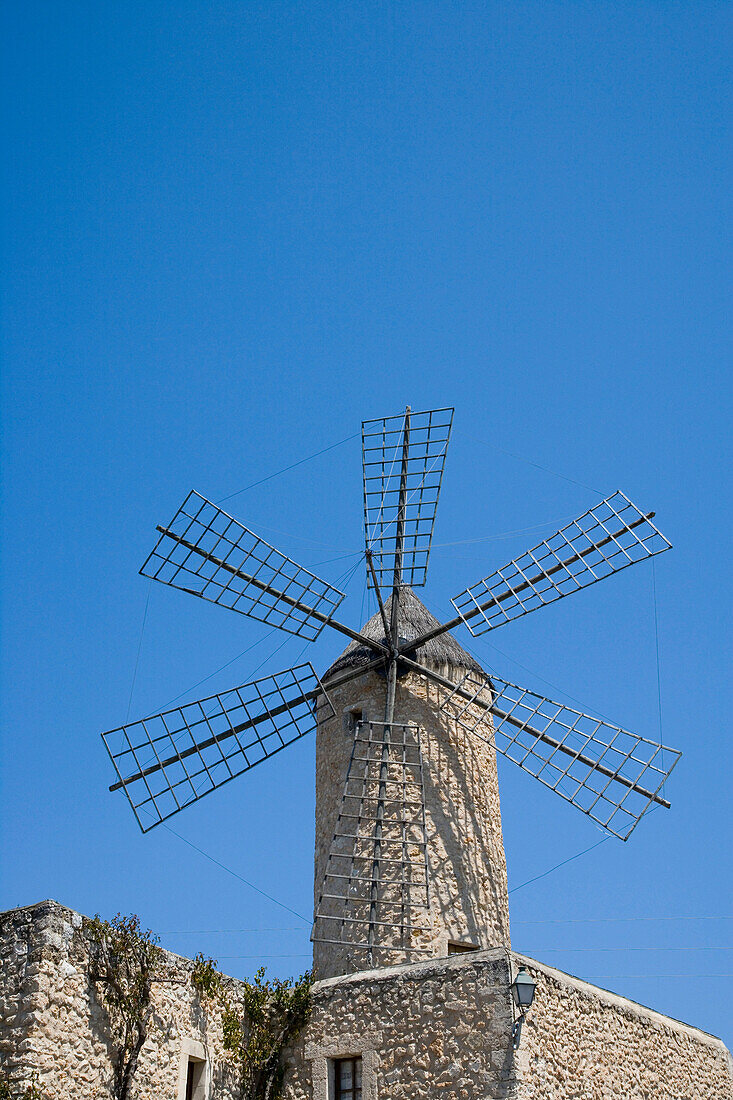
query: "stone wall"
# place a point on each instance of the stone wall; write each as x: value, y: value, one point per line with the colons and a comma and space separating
x: 467, y: 865
x: 444, y: 1028
x: 586, y: 1043
x: 437, y: 1028
x: 53, y: 1027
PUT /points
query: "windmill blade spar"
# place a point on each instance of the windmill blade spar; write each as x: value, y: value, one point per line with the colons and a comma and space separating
x: 208, y: 553
x: 604, y: 540
x: 170, y: 760
x: 611, y: 774
x: 403, y: 456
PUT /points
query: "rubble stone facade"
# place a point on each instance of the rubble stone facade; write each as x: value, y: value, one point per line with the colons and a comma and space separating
x: 54, y: 1028
x: 442, y: 1027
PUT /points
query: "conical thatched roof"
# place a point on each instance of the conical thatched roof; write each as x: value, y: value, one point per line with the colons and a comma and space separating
x: 414, y: 620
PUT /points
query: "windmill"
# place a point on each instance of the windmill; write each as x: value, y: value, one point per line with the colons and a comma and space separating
x: 392, y: 828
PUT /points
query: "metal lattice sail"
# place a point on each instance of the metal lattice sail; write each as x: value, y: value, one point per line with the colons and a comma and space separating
x: 377, y: 870
x: 403, y: 459
x: 205, y: 552
x: 377, y: 882
x: 610, y: 774
x: 607, y: 538
x: 170, y: 760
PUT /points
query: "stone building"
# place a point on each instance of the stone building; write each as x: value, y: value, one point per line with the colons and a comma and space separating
x: 439, y: 1027
x: 422, y: 1010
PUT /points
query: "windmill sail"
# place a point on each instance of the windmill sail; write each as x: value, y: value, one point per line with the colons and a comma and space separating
x: 172, y: 759
x: 612, y: 775
x: 403, y: 460
x: 376, y: 878
x: 206, y: 552
x: 609, y: 537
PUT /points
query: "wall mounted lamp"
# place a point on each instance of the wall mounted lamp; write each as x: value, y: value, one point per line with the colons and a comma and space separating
x: 523, y: 989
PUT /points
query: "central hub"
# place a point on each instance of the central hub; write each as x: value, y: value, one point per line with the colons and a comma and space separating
x: 402, y: 668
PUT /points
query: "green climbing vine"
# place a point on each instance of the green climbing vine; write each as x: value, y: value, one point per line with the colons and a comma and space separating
x: 257, y: 1027
x: 124, y: 961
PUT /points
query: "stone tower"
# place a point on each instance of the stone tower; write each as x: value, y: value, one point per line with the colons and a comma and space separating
x: 468, y: 903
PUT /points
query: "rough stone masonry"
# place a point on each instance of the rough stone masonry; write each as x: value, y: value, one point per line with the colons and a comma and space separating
x: 439, y: 1028
x: 469, y: 903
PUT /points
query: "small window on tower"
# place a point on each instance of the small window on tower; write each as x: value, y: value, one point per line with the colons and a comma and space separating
x: 352, y: 717
x: 347, y: 1078
x: 456, y: 948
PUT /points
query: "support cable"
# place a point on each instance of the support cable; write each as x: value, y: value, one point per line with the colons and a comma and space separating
x: 139, y: 647
x: 558, y: 920
x: 538, y: 466
x: 656, y: 640
x: 286, y: 469
x: 561, y: 864
x: 234, y: 874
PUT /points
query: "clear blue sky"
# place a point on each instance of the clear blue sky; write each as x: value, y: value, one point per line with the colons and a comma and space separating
x: 232, y: 231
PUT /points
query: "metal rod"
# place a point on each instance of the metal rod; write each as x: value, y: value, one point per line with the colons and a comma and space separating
x: 353, y: 634
x: 502, y: 716
x: 382, y: 610
x: 337, y: 681
x: 436, y: 631
x: 400, y: 532
x: 391, y: 686
x: 588, y: 761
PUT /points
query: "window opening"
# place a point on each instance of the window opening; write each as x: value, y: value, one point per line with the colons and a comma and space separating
x: 461, y: 948
x: 195, y: 1079
x: 347, y: 1076
x: 352, y: 717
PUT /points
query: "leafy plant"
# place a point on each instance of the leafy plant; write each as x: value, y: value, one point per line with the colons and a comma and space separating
x: 33, y: 1092
x: 124, y: 960
x: 272, y: 1014
x: 267, y: 1015
x: 206, y: 979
